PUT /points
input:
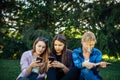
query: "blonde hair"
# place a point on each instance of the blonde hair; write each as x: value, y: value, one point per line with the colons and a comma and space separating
x: 88, y: 36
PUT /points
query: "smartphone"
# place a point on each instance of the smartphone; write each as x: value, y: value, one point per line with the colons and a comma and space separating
x: 39, y: 59
x: 51, y: 59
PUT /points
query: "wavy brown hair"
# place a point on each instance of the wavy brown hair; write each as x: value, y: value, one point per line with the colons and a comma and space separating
x: 44, y: 55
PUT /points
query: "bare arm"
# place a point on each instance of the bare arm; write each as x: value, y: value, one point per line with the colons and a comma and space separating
x: 64, y: 68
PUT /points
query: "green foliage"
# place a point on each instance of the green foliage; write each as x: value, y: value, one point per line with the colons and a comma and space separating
x: 32, y: 34
x: 104, y: 18
x: 101, y: 38
x: 73, y: 43
x: 12, y: 46
x: 51, y: 16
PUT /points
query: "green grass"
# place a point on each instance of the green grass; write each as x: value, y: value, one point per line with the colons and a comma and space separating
x: 111, y: 72
x: 10, y: 69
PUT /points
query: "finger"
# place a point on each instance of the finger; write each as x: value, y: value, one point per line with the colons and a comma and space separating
x: 34, y: 59
x: 55, y: 61
x: 37, y: 61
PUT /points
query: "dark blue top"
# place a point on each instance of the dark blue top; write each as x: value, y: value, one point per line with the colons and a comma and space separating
x: 77, y: 55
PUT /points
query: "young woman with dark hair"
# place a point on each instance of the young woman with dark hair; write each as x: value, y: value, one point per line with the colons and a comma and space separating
x: 62, y: 67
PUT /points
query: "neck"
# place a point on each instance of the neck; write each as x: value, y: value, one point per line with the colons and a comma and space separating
x: 58, y: 53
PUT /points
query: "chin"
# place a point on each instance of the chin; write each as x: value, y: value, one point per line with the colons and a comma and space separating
x: 58, y: 51
x: 39, y: 53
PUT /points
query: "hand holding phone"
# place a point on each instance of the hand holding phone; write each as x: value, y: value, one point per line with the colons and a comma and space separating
x: 39, y: 59
x: 51, y: 59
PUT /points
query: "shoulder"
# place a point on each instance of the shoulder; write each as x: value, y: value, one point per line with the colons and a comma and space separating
x: 77, y: 50
x: 27, y: 53
x: 96, y: 51
x: 69, y: 51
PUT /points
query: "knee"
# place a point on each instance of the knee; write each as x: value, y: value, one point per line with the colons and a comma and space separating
x: 23, y: 78
x: 51, y: 69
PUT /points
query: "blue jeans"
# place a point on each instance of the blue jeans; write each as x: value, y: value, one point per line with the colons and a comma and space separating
x: 87, y: 74
x: 32, y: 76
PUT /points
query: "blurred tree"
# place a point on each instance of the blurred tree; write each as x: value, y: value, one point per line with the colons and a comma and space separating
x: 71, y: 17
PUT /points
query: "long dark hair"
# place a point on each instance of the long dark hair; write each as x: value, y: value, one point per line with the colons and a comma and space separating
x: 61, y: 38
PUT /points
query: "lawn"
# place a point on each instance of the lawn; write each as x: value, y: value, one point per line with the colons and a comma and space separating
x: 111, y: 72
x: 9, y: 70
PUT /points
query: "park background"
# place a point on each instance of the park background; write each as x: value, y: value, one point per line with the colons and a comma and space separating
x: 21, y: 21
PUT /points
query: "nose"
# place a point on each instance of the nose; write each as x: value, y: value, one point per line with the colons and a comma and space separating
x: 41, y: 48
x: 57, y: 47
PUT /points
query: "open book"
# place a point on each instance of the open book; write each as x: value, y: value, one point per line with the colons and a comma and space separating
x: 106, y: 63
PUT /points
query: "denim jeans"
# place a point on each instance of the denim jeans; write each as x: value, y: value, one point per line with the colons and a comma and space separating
x: 87, y: 74
x: 32, y: 76
x: 73, y: 74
